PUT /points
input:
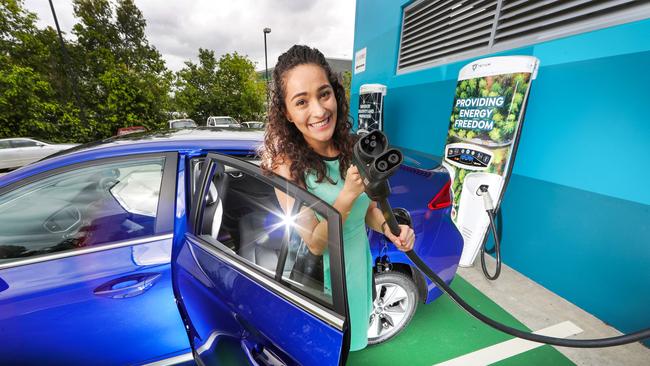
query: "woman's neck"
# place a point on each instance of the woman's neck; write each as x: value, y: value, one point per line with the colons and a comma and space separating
x: 325, y: 149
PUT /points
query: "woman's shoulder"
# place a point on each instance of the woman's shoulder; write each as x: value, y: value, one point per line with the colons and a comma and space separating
x: 281, y: 166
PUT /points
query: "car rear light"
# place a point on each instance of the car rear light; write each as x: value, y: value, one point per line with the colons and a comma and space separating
x: 442, y: 198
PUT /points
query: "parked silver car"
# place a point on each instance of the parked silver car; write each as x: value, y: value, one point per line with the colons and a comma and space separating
x: 253, y: 124
x: 182, y: 123
x: 222, y: 121
x: 19, y: 151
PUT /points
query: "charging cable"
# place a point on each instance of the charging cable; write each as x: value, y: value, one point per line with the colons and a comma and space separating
x: 489, y: 209
x: 562, y: 342
x: 575, y: 343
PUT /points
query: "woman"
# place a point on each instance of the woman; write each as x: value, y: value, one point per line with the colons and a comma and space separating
x: 308, y: 142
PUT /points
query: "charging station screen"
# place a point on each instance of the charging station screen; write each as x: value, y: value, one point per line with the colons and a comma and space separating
x: 371, y: 100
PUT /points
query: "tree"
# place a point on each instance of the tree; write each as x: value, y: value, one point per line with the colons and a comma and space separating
x: 228, y: 86
x: 242, y: 92
x: 123, y: 78
x: 346, y: 81
x: 197, y: 92
x: 33, y: 91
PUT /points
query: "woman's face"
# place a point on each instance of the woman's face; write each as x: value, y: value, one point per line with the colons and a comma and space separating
x: 310, y: 103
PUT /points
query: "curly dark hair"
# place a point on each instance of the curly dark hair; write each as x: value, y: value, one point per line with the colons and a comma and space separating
x: 283, y: 140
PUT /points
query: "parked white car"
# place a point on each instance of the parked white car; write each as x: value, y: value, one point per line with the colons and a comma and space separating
x: 182, y: 123
x: 222, y: 121
x: 19, y: 151
x: 253, y: 124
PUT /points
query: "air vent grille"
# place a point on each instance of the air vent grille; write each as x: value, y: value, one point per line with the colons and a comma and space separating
x: 436, y: 32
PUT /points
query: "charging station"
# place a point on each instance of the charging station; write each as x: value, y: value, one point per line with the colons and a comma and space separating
x: 482, y: 139
x: 371, y: 105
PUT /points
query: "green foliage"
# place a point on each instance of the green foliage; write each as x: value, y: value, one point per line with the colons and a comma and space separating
x: 511, y: 87
x: 225, y: 87
x: 346, y: 81
x: 123, y: 80
x: 114, y: 79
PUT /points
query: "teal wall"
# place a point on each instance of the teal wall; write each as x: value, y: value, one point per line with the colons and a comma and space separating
x: 577, y: 209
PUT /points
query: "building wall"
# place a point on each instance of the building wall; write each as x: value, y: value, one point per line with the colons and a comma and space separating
x: 577, y: 209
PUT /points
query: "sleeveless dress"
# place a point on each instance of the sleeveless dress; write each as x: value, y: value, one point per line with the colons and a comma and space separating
x: 356, y: 249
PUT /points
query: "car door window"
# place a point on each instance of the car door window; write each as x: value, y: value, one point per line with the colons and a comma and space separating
x: 79, y: 208
x: 5, y: 144
x: 24, y: 143
x: 242, y: 216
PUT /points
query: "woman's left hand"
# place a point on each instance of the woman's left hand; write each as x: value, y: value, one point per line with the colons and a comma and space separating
x: 405, y: 240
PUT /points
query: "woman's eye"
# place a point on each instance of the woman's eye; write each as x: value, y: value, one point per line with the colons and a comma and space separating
x: 326, y: 94
x: 300, y: 103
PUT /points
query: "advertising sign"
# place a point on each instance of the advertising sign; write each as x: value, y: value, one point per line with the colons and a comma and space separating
x: 482, y: 139
x: 371, y: 107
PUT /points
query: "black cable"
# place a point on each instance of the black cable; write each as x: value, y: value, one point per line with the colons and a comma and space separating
x: 576, y: 343
x: 499, y: 224
x: 497, y: 250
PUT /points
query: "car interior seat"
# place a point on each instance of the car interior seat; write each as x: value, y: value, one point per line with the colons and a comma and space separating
x: 214, y: 199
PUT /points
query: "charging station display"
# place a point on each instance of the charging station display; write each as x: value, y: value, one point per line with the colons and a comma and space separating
x: 482, y: 140
x: 371, y: 105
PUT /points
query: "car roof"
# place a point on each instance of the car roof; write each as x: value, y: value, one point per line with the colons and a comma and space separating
x: 189, y: 140
x: 17, y: 138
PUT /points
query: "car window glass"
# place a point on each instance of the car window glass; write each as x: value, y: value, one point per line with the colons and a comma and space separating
x: 81, y: 208
x: 302, y: 268
x: 5, y: 144
x: 24, y: 143
x: 241, y: 215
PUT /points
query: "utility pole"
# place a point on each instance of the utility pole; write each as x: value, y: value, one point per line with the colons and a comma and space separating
x: 266, y: 65
x: 72, y: 78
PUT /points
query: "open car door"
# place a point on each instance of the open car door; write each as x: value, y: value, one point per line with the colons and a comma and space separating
x: 248, y: 288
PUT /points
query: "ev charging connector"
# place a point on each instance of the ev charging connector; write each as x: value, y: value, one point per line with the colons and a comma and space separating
x: 376, y: 163
x: 488, y: 204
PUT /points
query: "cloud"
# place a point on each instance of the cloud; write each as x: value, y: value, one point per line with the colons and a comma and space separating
x: 178, y: 28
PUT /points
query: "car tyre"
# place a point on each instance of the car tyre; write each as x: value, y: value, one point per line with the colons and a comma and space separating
x: 396, y: 302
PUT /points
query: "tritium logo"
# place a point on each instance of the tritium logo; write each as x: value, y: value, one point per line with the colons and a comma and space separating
x: 475, y: 66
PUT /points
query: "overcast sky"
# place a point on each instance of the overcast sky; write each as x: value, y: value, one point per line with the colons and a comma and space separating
x: 177, y: 28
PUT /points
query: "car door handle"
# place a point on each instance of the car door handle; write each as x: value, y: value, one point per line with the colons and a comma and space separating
x: 127, y: 286
x: 260, y: 356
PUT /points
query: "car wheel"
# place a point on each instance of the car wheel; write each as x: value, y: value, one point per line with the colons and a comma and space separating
x: 396, y: 302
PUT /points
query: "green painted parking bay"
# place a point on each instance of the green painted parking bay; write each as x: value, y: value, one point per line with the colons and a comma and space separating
x: 442, y: 331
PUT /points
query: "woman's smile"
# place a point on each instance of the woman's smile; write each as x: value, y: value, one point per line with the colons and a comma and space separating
x: 322, y: 124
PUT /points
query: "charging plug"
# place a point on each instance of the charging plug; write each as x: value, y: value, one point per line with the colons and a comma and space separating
x: 487, y: 199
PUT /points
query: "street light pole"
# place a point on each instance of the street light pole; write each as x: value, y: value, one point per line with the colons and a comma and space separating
x: 266, y: 65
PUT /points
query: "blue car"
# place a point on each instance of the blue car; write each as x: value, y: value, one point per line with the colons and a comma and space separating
x: 171, y: 248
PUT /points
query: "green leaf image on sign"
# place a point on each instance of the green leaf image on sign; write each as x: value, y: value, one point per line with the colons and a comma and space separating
x: 487, y: 108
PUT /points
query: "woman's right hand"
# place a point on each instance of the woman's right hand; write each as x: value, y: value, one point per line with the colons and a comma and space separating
x: 353, y: 182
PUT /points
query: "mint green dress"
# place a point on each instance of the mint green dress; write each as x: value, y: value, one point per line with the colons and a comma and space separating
x: 356, y: 249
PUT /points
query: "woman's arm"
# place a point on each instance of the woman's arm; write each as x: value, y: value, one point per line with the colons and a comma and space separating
x: 312, y: 231
x: 375, y: 220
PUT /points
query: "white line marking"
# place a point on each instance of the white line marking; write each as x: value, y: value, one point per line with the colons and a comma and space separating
x: 187, y: 357
x: 503, y: 350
